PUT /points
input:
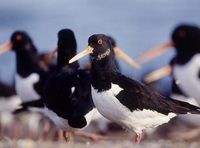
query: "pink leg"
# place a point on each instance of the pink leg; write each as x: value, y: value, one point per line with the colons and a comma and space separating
x: 68, y: 136
x: 138, y: 138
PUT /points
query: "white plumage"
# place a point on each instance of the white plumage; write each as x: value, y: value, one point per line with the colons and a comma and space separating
x: 24, y: 87
x: 187, y: 77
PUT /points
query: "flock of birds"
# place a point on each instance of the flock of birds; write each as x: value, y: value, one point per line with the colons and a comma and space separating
x: 72, y: 97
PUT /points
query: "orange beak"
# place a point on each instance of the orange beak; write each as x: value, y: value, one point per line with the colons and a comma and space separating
x: 53, y: 52
x: 158, y: 74
x: 5, y: 47
x: 83, y: 53
x: 126, y: 58
x: 117, y: 51
x: 155, y: 52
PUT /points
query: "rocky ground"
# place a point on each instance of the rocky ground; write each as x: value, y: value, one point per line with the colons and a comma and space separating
x: 175, y: 134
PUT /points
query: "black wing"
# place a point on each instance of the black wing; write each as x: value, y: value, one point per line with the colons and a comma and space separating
x: 136, y: 95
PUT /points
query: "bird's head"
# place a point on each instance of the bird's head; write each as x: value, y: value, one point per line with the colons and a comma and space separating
x: 100, y: 47
x: 20, y: 41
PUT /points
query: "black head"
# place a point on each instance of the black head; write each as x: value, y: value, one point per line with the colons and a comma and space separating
x: 21, y: 41
x: 102, y: 46
x: 66, y: 46
x: 186, y: 39
x: 112, y: 41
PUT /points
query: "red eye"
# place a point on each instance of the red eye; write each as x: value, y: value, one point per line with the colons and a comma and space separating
x: 100, y: 41
x: 182, y: 33
x: 18, y: 37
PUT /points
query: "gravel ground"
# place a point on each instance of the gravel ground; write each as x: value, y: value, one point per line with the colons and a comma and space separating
x: 106, y: 144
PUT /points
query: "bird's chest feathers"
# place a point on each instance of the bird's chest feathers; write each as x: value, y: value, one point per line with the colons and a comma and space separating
x: 187, y: 78
x: 107, y: 104
x: 25, y: 87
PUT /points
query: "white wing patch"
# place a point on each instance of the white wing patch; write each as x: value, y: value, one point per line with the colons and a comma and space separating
x: 24, y: 87
x: 116, y: 89
x: 187, y: 77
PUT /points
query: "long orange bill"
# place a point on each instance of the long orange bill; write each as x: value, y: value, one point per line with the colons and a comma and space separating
x: 83, y: 53
x: 5, y: 47
x: 126, y: 58
x: 53, y: 52
x: 155, y: 52
x: 158, y: 74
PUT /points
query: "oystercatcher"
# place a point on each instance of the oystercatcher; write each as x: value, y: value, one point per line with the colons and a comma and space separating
x: 29, y: 77
x: 123, y: 100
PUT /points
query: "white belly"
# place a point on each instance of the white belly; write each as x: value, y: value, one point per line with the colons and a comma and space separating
x: 187, y: 79
x: 24, y: 87
x: 112, y: 109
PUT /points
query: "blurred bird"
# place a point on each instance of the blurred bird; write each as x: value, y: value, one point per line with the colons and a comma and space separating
x: 184, y: 69
x: 9, y: 102
x: 29, y: 77
x: 126, y: 101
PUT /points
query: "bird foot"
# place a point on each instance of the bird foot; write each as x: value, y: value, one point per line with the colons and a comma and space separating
x: 68, y: 136
x: 138, y: 138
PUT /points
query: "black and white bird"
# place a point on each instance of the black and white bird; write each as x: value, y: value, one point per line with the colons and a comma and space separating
x: 184, y: 67
x: 67, y: 92
x: 29, y: 77
x: 126, y: 101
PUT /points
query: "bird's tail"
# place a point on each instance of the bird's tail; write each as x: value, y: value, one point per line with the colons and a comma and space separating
x: 182, y: 107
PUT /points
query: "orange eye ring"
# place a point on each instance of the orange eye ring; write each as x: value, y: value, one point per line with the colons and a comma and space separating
x: 18, y: 37
x: 100, y: 41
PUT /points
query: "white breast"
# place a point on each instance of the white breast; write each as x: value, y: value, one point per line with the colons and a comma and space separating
x: 187, y: 78
x: 111, y: 108
x: 24, y: 87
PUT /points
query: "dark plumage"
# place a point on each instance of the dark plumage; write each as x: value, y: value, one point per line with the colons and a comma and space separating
x: 67, y: 91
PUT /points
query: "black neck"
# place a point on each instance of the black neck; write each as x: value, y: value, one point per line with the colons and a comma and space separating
x: 103, y: 71
x: 27, y: 63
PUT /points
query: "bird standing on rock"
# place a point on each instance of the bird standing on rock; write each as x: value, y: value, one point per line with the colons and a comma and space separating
x: 126, y: 101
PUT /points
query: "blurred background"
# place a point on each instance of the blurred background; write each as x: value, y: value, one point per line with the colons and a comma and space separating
x: 137, y: 26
